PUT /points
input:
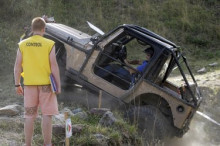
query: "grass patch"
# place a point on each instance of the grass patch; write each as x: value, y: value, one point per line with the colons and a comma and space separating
x: 10, y: 124
x: 119, y: 133
x: 116, y: 134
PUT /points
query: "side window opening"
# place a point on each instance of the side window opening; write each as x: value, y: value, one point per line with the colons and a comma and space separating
x: 159, y: 69
x: 163, y: 70
x: 119, y: 61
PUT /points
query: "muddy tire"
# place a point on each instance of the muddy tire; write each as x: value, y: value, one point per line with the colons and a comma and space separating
x: 152, y: 124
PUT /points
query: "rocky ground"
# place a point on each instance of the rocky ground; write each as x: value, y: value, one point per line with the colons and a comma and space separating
x: 202, y: 131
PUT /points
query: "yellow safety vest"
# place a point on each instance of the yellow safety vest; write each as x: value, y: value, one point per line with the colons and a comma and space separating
x: 35, y: 52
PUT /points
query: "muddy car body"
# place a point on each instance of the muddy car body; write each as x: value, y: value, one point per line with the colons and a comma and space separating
x: 153, y: 96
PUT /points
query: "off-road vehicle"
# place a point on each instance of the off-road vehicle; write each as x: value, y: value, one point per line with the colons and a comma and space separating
x: 160, y: 104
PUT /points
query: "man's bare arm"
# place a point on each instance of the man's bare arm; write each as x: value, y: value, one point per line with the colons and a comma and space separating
x: 55, y: 69
x: 17, y: 72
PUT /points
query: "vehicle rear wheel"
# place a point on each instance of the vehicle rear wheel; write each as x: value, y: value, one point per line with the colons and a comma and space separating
x: 152, y: 124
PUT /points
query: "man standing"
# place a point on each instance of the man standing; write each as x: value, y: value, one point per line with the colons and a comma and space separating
x: 37, y: 60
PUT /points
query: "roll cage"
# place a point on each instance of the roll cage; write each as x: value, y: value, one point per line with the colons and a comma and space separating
x: 166, y: 48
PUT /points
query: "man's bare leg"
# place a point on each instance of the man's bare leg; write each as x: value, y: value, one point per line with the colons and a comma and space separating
x: 28, y: 130
x: 47, y: 129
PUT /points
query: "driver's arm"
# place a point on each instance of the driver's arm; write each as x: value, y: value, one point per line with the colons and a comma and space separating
x: 129, y: 64
x: 134, y: 62
x: 126, y: 62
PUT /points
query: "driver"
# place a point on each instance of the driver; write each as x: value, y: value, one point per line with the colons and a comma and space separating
x: 142, y: 64
x: 127, y: 74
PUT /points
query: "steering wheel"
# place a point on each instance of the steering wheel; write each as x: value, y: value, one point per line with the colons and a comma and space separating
x: 120, y: 52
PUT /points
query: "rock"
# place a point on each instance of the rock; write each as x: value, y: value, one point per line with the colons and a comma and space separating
x: 59, y: 129
x: 75, y: 111
x: 102, y: 140
x: 1, y: 90
x: 81, y: 115
x: 77, y: 128
x: 11, y: 110
x: 213, y: 64
x: 202, y: 70
x: 67, y: 110
x: 107, y: 119
x: 59, y: 119
x: 99, y: 111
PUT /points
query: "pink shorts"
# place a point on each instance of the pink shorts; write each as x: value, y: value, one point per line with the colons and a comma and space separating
x: 39, y: 97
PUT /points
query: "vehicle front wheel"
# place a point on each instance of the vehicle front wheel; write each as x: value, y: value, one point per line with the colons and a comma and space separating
x: 152, y: 124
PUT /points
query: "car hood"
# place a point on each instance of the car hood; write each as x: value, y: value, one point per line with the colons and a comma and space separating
x: 67, y: 34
